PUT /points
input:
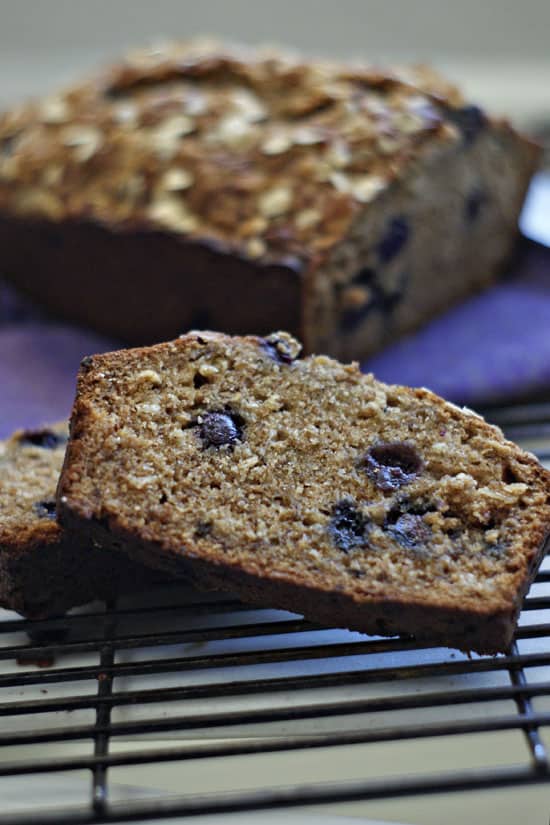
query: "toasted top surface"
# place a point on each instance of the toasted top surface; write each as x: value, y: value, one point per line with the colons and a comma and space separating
x: 256, y: 149
x: 30, y: 463
x: 231, y: 450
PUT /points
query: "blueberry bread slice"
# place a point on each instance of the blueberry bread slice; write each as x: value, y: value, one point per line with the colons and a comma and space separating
x: 344, y: 202
x: 306, y: 485
x: 44, y: 571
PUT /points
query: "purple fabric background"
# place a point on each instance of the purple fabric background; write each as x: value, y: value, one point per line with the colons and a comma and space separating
x: 37, y: 371
x: 493, y: 347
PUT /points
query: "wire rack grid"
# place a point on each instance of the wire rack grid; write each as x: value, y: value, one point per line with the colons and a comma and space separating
x: 187, y: 704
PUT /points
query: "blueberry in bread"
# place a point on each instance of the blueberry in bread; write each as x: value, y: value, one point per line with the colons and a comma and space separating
x: 43, y: 571
x: 306, y: 485
x: 203, y: 185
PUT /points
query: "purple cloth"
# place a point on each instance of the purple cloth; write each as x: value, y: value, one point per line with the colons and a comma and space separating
x: 38, y: 369
x: 493, y: 347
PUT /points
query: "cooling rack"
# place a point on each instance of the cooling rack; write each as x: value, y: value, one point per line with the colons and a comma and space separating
x: 188, y: 704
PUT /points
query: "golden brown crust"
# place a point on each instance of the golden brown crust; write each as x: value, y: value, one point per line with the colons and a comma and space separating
x: 264, y: 153
x: 346, y: 203
x: 447, y: 557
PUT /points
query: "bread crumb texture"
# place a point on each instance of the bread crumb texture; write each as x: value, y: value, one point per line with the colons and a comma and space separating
x: 30, y: 463
x: 305, y: 472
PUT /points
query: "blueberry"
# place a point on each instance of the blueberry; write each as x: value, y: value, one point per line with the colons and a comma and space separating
x: 47, y: 439
x: 379, y: 299
x: 281, y: 347
x: 348, y: 526
x: 470, y: 120
x: 394, y: 239
x: 45, y: 509
x: 392, y: 465
x: 220, y: 429
x: 365, y: 277
x: 473, y: 204
x: 410, y: 531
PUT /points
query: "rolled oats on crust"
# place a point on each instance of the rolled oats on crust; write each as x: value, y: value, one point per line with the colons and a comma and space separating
x: 203, y: 184
x: 297, y: 144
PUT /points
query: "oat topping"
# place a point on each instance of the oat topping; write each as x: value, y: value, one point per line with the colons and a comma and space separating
x: 256, y: 149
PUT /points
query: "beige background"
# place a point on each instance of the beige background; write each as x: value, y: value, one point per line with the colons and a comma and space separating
x: 380, y: 27
x: 499, y: 50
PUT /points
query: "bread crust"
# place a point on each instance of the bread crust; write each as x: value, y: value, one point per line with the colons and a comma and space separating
x: 436, y: 615
x: 44, y: 569
x: 485, y: 629
x: 231, y: 188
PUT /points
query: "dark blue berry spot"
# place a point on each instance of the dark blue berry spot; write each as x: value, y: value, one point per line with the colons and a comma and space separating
x: 365, y: 277
x: 392, y: 465
x: 220, y: 429
x: 45, y: 509
x: 47, y: 439
x: 394, y: 239
x: 470, y: 120
x: 348, y: 526
x: 282, y: 349
x: 378, y: 299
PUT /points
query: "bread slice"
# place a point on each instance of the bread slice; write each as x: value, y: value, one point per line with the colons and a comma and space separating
x: 44, y: 571
x: 306, y: 485
x: 210, y: 185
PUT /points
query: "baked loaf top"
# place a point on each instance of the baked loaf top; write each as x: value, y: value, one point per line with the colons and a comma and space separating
x: 251, y: 150
x: 30, y: 463
x: 307, y: 485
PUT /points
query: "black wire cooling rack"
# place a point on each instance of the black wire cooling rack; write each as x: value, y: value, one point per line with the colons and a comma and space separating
x: 186, y: 704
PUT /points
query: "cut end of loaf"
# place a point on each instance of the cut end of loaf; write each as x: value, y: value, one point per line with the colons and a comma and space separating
x: 303, y: 482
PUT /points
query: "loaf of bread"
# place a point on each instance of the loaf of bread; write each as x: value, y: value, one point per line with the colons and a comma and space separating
x: 305, y: 485
x: 202, y: 185
x: 43, y: 571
